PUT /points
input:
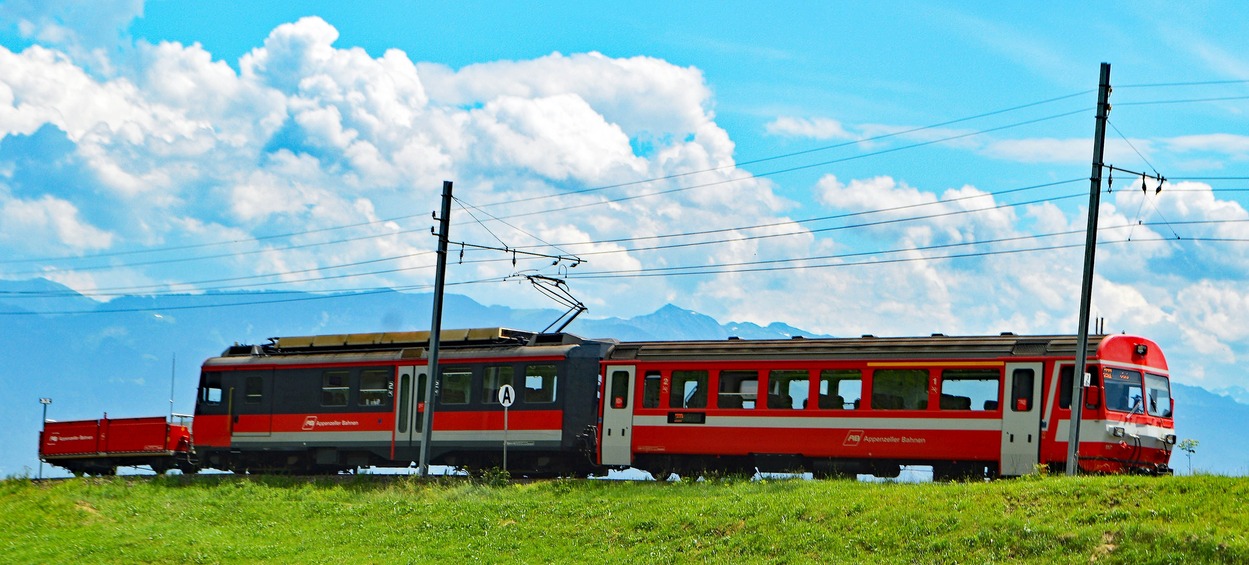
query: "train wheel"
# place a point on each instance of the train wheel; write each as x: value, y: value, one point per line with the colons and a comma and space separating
x: 160, y: 467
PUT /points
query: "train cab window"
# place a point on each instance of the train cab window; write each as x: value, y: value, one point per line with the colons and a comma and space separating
x: 900, y: 389
x: 492, y: 379
x: 788, y: 389
x: 457, y: 384
x: 689, y: 389
x: 969, y: 389
x: 210, y: 391
x: 253, y: 390
x: 334, y: 388
x: 840, y: 389
x: 1158, y: 389
x: 376, y: 387
x: 540, y: 381
x: 650, y: 389
x: 738, y: 389
x: 1123, y: 390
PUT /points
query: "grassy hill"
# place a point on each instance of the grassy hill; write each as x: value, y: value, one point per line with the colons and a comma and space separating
x: 226, y: 518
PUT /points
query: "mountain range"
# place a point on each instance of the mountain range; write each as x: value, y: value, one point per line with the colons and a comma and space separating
x: 140, y: 356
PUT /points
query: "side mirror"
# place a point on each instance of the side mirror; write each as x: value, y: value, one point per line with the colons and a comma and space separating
x: 1092, y: 396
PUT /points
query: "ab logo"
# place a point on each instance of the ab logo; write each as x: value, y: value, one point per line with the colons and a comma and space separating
x: 853, y: 437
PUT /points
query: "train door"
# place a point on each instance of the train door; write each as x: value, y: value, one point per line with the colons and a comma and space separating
x: 617, y: 433
x: 410, y: 406
x: 1021, y: 419
x: 254, y: 407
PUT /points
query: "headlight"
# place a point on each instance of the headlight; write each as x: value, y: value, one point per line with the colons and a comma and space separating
x: 1170, y: 439
x: 1117, y: 431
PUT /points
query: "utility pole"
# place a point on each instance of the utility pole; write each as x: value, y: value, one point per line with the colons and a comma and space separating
x: 435, y: 326
x: 46, y: 401
x: 173, y: 379
x: 1086, y: 290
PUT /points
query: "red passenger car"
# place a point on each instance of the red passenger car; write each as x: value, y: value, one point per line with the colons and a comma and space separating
x: 98, y: 447
x: 966, y: 406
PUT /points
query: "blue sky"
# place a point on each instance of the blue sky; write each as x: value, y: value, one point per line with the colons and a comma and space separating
x: 890, y: 168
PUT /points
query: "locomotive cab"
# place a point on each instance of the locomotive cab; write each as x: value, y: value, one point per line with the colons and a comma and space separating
x: 1128, y: 417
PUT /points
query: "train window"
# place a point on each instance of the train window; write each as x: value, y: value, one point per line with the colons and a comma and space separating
x: 540, y: 383
x: 422, y: 380
x: 1123, y: 390
x: 492, y: 380
x: 334, y: 388
x: 1065, y: 376
x: 788, y: 389
x: 211, y: 391
x: 738, y: 389
x: 405, y: 393
x: 900, y: 389
x: 253, y: 390
x: 689, y: 389
x: 1158, y: 388
x: 650, y: 389
x: 840, y: 389
x: 969, y: 389
x: 619, y: 389
x: 457, y: 383
x: 1022, y: 381
x: 376, y: 388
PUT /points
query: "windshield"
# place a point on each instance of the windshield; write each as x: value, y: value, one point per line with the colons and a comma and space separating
x: 1158, y: 390
x: 1123, y: 390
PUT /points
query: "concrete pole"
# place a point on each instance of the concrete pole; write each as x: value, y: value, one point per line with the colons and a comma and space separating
x: 1086, y: 289
x: 435, y: 327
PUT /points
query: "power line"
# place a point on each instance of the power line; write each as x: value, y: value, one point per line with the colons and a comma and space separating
x: 1171, y: 84
x: 707, y: 270
x: 1182, y: 101
x: 792, y: 154
x: 791, y: 169
x: 827, y: 218
x: 203, y: 245
x: 216, y: 256
x: 644, y: 238
x: 121, y: 291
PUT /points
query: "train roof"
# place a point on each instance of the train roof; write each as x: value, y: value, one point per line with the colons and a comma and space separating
x: 867, y: 347
x: 390, y: 346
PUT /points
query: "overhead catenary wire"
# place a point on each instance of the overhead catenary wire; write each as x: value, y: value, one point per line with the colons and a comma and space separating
x: 621, y: 250
x: 756, y: 161
x: 706, y: 270
x: 573, y: 258
x: 786, y: 170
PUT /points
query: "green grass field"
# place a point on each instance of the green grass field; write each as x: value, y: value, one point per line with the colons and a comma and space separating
x: 210, y: 519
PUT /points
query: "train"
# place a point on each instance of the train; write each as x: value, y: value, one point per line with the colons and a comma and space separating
x: 968, y: 407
